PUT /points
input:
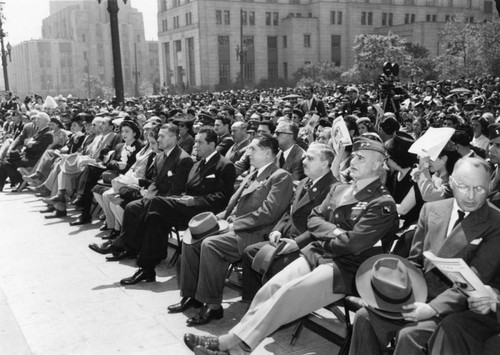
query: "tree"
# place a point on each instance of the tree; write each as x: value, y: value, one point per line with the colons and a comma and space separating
x: 93, y: 86
x: 422, y: 64
x: 320, y: 73
x: 372, y: 51
x: 462, y: 47
x: 490, y: 43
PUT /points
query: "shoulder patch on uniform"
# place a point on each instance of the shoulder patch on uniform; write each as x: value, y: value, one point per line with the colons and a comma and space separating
x: 387, y: 209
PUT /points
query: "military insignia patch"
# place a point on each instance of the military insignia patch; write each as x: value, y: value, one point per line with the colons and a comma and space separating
x: 386, y: 209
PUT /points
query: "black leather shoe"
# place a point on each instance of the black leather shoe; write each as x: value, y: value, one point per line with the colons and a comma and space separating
x: 77, y: 202
x: 56, y: 214
x: 104, y: 248
x: 80, y: 220
x: 205, y: 316
x: 103, y: 228
x: 192, y: 341
x: 148, y: 275
x: 184, y: 304
x: 48, y: 209
x: 121, y: 255
x: 112, y: 235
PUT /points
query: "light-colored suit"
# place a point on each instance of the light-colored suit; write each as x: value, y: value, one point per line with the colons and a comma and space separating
x: 476, y: 240
x: 253, y: 210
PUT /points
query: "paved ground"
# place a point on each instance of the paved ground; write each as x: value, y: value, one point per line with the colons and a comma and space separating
x: 59, y: 297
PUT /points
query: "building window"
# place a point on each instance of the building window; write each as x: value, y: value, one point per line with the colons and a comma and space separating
x: 272, y: 57
x: 434, y: 18
x: 407, y: 18
x: 244, y: 18
x: 412, y: 18
x: 285, y: 70
x: 249, y: 59
x: 333, y: 17
x: 227, y: 18
x: 285, y: 42
x: 176, y: 21
x: 218, y: 17
x: 336, y: 50
x: 178, y: 46
x: 390, y: 18
x: 307, y: 41
x: 471, y: 19
x: 384, y: 18
x: 188, y: 19
x: 488, y: 7
x: 276, y: 16
x: 251, y: 18
x: 268, y: 19
x: 339, y: 17
x: 224, y: 60
x: 370, y: 19
x: 428, y: 18
x: 363, y: 18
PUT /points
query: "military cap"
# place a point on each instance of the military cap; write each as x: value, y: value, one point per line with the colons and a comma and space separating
x: 368, y: 141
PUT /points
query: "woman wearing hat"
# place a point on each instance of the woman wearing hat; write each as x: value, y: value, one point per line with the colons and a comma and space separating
x: 124, y: 156
x: 186, y: 133
x: 127, y: 187
x: 399, y: 181
x: 59, y: 133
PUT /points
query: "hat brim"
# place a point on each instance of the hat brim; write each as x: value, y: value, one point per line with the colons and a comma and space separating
x: 365, y: 290
x: 187, y: 237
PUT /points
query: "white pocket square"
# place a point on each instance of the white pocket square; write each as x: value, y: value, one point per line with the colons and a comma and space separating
x: 476, y: 241
x: 212, y: 176
x: 169, y: 173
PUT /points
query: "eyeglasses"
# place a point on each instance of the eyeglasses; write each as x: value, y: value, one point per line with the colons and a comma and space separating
x: 463, y: 188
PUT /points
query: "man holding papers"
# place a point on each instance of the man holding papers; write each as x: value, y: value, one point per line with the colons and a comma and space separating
x: 466, y: 227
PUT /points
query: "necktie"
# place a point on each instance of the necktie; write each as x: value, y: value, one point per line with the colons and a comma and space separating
x: 202, y: 163
x: 461, y: 216
x: 306, y: 188
x: 282, y: 160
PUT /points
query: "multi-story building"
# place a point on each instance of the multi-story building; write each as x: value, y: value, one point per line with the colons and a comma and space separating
x: 76, y: 43
x: 202, y: 41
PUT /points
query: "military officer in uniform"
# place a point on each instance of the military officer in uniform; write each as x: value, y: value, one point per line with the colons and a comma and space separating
x: 343, y: 231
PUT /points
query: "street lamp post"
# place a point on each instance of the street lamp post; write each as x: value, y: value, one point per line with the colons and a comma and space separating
x: 4, y: 53
x: 115, y: 43
x: 136, y: 73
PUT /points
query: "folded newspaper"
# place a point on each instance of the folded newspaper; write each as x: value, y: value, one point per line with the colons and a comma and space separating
x: 461, y: 275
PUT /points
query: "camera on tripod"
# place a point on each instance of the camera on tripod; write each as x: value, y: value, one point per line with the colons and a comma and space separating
x: 390, y: 71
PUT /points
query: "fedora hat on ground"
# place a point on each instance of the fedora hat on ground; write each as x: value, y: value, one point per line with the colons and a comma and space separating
x: 388, y: 282
x: 203, y: 225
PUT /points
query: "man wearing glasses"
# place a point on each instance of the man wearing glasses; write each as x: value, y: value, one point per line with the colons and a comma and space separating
x: 493, y: 155
x: 290, y: 156
x: 466, y: 227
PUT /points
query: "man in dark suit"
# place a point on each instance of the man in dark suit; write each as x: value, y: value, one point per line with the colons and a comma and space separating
x: 225, y: 140
x: 466, y: 227
x: 290, y: 155
x: 252, y: 212
x: 310, y: 103
x: 494, y: 159
x: 342, y: 232
x: 172, y: 168
x: 310, y: 192
x: 241, y: 141
x: 32, y: 151
x: 208, y: 188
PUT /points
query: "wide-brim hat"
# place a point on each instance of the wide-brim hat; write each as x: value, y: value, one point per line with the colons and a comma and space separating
x: 132, y: 125
x: 398, y: 146
x: 203, y: 225
x: 387, y: 282
x: 265, y: 256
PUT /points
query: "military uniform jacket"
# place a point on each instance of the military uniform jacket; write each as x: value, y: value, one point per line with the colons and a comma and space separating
x: 368, y: 217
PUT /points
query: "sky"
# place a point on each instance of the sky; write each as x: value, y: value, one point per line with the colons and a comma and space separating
x: 23, y: 18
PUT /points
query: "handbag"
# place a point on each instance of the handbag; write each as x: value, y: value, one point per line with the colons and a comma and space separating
x: 130, y: 193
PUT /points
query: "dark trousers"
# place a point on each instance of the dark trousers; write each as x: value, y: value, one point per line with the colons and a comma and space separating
x: 465, y: 333
x: 9, y: 169
x: 93, y: 175
x: 252, y: 280
x: 151, y: 237
x: 132, y: 224
x: 372, y: 333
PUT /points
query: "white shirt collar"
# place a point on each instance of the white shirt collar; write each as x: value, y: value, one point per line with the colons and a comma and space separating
x: 207, y: 159
x: 287, y: 152
x: 454, y: 216
x: 262, y: 168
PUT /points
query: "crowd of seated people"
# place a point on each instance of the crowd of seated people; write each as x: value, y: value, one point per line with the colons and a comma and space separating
x: 252, y: 176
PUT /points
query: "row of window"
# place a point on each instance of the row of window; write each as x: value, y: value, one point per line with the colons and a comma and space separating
x: 176, y: 21
x: 247, y: 55
x: 387, y: 18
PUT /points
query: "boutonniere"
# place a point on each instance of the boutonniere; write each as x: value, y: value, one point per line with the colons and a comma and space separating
x: 314, y: 189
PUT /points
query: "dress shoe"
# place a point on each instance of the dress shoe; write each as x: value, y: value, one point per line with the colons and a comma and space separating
x: 192, y: 341
x: 121, y: 255
x: 184, y: 304
x: 148, y: 275
x: 48, y: 209
x: 112, y: 235
x: 205, y: 316
x: 104, y: 248
x: 200, y: 350
x: 77, y: 201
x: 56, y: 214
x: 42, y: 194
x: 54, y: 199
x: 80, y: 220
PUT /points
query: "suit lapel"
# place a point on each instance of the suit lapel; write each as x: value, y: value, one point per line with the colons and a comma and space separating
x: 197, y: 173
x: 291, y: 157
x: 262, y: 177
